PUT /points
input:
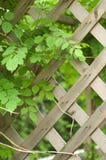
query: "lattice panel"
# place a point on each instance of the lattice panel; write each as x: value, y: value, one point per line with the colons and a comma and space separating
x: 67, y: 100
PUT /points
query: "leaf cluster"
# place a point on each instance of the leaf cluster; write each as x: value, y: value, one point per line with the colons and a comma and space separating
x: 36, y: 42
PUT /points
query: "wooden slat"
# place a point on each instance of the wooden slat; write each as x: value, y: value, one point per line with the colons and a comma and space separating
x: 53, y: 136
x: 5, y: 122
x: 46, y: 74
x: 81, y: 117
x: 89, y: 22
x: 21, y: 9
x: 87, y: 129
x: 59, y: 9
x: 33, y: 12
x: 104, y: 157
x: 13, y: 135
x: 97, y: 85
x: 80, y: 13
x: 48, y: 122
x: 55, y: 139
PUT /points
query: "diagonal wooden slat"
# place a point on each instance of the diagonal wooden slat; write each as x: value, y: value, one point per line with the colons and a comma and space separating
x: 87, y: 129
x: 66, y: 100
x: 97, y: 85
x: 89, y: 22
x: 81, y: 117
x: 59, y: 9
x: 80, y: 13
x: 78, y: 116
x: 69, y: 98
x: 21, y: 9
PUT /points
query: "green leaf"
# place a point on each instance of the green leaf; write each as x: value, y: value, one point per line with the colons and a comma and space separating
x: 5, y: 152
x: 29, y: 43
x: 30, y: 101
x: 26, y: 92
x: 38, y: 39
x: 77, y: 53
x: 41, y: 95
x: 6, y: 59
x: 48, y: 88
x: 22, y: 51
x: 11, y: 64
x: 50, y: 41
x: 9, y: 95
x: 50, y: 96
x: 23, y: 70
x: 9, y: 16
x: 35, y: 89
x: 4, y: 100
x: 35, y: 58
x: 6, y: 27
x: 71, y: 50
x: 24, y: 111
x: 38, y: 48
x: 65, y: 45
x: 13, y: 93
x: 0, y: 21
x: 2, y: 93
x: 82, y: 58
x: 8, y: 85
x: 9, y: 51
x: 18, y: 32
x: 59, y: 42
x: 33, y: 116
x: 26, y: 83
x: 14, y: 59
x: 46, y: 22
x: 11, y: 106
x: 1, y: 48
x: 32, y: 109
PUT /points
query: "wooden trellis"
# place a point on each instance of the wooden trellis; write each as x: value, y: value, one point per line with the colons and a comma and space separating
x: 89, y: 125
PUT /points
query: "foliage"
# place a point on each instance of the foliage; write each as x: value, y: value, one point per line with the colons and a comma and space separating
x: 32, y: 44
x: 5, y: 153
x: 8, y: 95
x: 40, y: 48
x: 45, y: 5
x: 10, y: 4
x: 89, y: 5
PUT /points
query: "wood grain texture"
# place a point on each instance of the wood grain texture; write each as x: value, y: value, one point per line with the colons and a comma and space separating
x: 21, y: 9
x: 59, y: 9
x: 66, y: 100
x: 87, y: 129
x: 47, y: 123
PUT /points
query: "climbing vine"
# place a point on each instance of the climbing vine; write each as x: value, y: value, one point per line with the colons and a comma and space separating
x: 25, y: 49
x: 35, y: 42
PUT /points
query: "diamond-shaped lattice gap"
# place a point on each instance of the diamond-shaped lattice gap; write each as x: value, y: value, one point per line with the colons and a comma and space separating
x: 23, y: 126
x: 89, y: 5
x: 102, y: 21
x: 46, y: 106
x: 103, y: 75
x: 103, y: 126
x: 66, y: 75
x: 91, y: 150
x: 89, y: 100
x: 66, y: 125
x: 43, y: 145
x: 69, y: 19
x: 93, y: 50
